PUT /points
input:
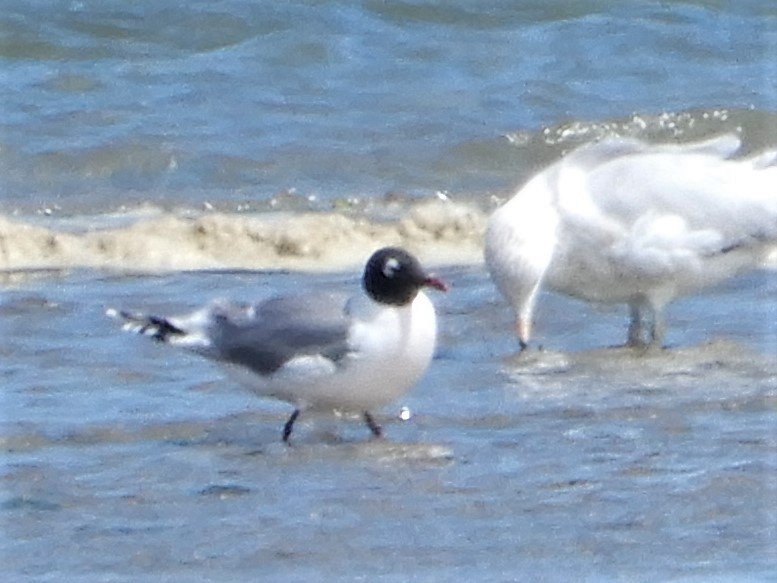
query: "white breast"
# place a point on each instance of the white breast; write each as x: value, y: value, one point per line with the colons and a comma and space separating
x: 390, y: 349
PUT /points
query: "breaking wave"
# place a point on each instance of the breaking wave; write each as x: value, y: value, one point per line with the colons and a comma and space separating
x: 442, y: 232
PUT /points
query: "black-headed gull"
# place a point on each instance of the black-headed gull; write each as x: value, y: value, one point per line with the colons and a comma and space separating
x: 319, y: 351
x: 621, y: 221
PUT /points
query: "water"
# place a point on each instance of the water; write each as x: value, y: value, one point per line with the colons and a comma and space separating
x: 158, y: 155
x: 124, y: 458
x: 108, y: 104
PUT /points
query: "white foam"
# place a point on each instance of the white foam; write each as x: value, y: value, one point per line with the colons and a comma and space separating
x: 439, y: 231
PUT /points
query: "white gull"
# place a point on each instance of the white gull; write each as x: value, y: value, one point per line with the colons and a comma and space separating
x: 319, y: 351
x: 622, y: 221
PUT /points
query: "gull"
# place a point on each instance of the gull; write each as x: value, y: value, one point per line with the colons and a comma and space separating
x: 318, y: 351
x: 622, y: 221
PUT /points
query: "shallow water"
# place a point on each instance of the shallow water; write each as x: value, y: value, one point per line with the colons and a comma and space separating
x: 124, y: 458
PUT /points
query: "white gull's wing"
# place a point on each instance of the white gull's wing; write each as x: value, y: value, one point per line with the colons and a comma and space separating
x: 662, y: 207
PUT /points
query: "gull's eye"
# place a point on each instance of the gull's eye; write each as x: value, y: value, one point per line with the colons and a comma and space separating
x: 391, y: 267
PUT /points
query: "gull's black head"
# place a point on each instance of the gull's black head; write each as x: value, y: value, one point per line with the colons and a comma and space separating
x: 393, y: 276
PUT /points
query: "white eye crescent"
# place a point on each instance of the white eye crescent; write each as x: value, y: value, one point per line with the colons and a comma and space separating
x: 390, y: 267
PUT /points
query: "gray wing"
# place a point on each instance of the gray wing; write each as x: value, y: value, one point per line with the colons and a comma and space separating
x: 280, y: 329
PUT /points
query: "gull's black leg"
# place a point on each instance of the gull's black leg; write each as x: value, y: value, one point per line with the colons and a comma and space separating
x: 289, y: 426
x: 372, y: 424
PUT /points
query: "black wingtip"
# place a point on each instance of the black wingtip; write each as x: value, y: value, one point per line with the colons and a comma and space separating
x: 158, y: 328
